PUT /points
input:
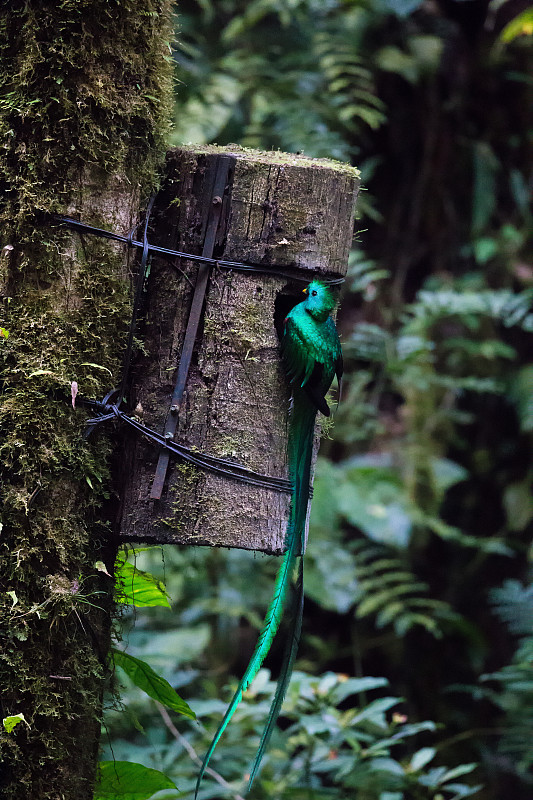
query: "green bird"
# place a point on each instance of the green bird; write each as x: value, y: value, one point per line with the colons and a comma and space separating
x: 311, y: 354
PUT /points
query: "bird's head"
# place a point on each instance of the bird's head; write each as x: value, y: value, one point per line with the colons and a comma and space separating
x: 319, y: 301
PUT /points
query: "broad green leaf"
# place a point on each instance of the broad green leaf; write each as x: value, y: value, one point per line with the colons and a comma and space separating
x: 415, y: 728
x: 446, y: 473
x: 388, y: 765
x: 421, y: 758
x: 485, y: 248
x: 351, y: 686
x: 392, y: 59
x: 10, y: 722
x: 427, y: 51
x: 184, y: 644
x: 314, y: 724
x: 327, y: 682
x: 403, y: 733
x: 456, y: 772
x: 373, y: 499
x: 138, y: 588
x: 330, y: 575
x: 461, y: 790
x: 150, y: 682
x: 376, y: 711
x: 522, y: 25
x: 122, y: 780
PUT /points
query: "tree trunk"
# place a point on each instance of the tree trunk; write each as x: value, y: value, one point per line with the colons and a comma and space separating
x: 283, y: 212
x: 85, y: 97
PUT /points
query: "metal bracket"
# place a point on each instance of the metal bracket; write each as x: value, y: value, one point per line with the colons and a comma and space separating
x: 202, y: 277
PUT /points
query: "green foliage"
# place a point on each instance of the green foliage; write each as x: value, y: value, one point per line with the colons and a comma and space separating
x: 246, y: 75
x: 393, y: 595
x: 365, y: 747
x: 521, y: 25
x: 120, y: 780
x: 513, y: 603
x: 379, y: 579
x: 335, y: 741
x: 11, y: 722
x: 156, y: 687
x: 135, y: 587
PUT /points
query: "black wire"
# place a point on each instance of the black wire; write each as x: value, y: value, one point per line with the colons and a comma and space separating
x: 109, y: 410
x: 239, y: 266
x: 220, y: 466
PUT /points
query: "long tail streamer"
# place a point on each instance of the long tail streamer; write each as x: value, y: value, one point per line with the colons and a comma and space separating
x: 300, y: 450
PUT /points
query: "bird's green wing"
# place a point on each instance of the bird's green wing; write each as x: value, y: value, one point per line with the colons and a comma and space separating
x: 298, y: 357
x: 331, y: 346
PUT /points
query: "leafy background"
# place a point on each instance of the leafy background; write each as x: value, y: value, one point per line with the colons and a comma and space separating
x: 414, y: 677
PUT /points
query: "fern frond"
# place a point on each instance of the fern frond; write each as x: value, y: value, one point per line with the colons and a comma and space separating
x: 349, y: 80
x: 369, y: 343
x: 502, y: 305
x: 392, y: 594
x: 513, y: 603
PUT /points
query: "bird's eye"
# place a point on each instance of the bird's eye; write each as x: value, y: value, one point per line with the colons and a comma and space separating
x: 314, y: 292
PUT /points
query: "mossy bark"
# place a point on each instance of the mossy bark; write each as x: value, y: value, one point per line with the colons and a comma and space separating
x: 85, y: 93
x: 286, y: 212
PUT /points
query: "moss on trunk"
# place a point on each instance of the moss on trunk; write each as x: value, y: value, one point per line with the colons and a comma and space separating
x: 85, y: 91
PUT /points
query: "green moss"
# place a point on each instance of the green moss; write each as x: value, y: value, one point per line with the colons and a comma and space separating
x: 185, y: 479
x: 278, y: 157
x: 250, y: 330
x: 85, y: 91
x: 231, y: 446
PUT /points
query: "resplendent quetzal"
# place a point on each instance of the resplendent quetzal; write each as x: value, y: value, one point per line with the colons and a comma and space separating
x: 311, y: 354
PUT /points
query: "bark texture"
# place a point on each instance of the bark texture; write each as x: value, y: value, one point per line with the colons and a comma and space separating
x: 279, y: 210
x: 84, y: 106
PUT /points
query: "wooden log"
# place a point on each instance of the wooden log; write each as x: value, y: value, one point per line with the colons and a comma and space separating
x: 285, y: 211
